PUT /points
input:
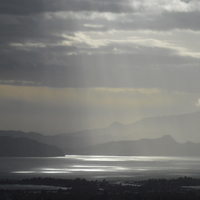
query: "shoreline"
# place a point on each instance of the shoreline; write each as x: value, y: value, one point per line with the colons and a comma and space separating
x: 78, y: 188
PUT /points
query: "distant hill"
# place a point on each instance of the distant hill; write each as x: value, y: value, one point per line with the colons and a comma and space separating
x: 164, y: 146
x: 24, y: 147
x: 183, y: 128
x: 63, y: 141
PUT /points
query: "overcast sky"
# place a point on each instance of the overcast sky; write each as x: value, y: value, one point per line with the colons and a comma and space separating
x: 69, y: 65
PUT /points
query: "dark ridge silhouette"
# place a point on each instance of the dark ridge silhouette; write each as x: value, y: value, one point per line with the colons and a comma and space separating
x: 24, y: 147
x: 63, y: 141
x: 164, y: 146
x: 12, y: 133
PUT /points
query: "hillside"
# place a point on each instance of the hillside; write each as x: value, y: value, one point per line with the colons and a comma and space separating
x: 183, y: 128
x: 23, y: 147
x: 164, y: 146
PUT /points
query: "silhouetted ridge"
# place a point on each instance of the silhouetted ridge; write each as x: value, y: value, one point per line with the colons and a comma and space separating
x: 116, y: 124
x: 24, y: 147
x: 167, y: 138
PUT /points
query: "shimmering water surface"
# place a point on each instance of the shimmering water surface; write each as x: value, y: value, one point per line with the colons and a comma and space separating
x: 30, y: 187
x: 100, y: 167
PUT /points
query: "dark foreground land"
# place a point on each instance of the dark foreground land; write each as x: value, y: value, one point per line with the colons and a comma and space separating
x: 81, y: 189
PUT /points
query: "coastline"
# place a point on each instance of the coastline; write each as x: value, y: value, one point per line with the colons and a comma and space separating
x: 183, y: 187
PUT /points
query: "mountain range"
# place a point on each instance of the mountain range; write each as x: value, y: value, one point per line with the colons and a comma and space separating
x: 164, y: 146
x: 183, y: 128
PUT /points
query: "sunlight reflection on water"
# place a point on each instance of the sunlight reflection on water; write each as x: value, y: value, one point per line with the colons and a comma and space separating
x: 128, y: 158
x: 76, y: 168
x: 101, y: 166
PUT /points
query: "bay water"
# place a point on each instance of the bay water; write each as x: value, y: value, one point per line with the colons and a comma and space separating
x: 111, y: 168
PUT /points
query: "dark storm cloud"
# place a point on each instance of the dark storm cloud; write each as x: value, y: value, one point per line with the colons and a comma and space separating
x: 23, y: 29
x: 33, y: 49
x: 163, y: 22
x: 158, y: 22
x: 32, y: 65
x: 39, y: 29
x: 157, y: 67
x: 23, y: 7
x: 25, y: 20
x: 175, y: 20
x: 186, y: 1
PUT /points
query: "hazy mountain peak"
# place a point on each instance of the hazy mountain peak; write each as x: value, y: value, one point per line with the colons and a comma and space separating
x: 167, y: 137
x: 116, y: 124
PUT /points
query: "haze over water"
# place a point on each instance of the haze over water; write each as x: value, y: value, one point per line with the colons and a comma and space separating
x: 100, y: 167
